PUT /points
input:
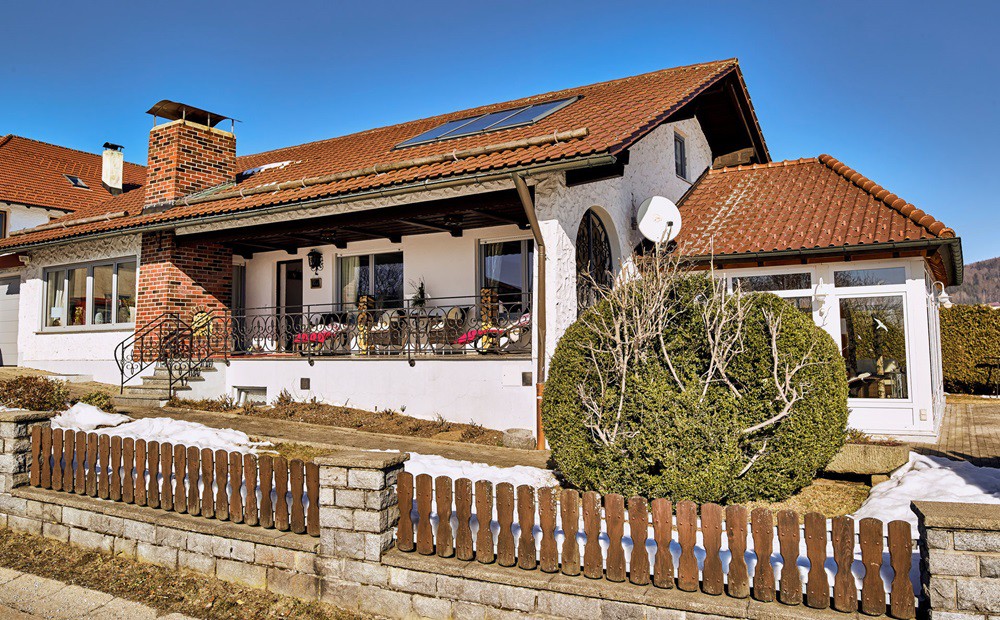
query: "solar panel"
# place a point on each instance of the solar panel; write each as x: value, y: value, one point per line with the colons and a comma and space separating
x: 494, y: 121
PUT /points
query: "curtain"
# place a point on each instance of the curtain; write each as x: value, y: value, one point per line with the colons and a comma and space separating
x: 350, y: 267
x: 492, y: 263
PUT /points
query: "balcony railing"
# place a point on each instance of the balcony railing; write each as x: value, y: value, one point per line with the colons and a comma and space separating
x: 488, y: 323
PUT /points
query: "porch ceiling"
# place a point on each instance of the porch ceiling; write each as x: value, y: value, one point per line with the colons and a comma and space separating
x: 452, y: 215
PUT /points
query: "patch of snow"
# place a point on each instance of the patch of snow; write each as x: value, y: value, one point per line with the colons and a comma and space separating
x: 273, y: 165
x: 930, y: 478
x: 440, y: 466
x: 84, y: 417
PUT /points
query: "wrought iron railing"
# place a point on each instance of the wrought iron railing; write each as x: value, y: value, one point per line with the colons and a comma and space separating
x: 485, y: 324
x: 488, y: 323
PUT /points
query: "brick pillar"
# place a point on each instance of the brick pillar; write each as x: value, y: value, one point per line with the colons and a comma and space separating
x: 15, y: 446
x: 182, y: 277
x: 960, y: 559
x: 357, y: 514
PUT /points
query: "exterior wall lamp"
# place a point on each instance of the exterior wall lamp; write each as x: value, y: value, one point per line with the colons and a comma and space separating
x: 315, y: 259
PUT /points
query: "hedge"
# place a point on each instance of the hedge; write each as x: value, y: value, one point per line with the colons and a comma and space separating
x: 969, y: 335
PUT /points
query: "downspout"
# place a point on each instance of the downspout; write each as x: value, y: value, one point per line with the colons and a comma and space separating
x: 539, y: 311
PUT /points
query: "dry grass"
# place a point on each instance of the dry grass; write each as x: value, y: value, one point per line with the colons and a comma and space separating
x: 385, y: 421
x: 166, y: 590
x: 831, y: 498
x: 301, y: 451
x: 76, y: 390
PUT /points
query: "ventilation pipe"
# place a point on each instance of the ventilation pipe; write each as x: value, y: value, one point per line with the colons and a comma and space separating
x: 539, y: 310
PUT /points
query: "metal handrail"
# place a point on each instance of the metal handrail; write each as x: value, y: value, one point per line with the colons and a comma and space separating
x: 156, y: 340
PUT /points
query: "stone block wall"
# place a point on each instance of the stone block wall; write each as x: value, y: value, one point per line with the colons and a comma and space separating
x: 960, y: 559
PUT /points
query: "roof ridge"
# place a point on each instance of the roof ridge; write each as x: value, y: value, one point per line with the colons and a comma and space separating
x: 9, y: 138
x: 894, y: 202
x: 771, y: 164
x: 732, y: 61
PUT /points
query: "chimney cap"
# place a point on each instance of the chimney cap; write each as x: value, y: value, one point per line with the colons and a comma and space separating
x: 171, y: 110
x: 113, y: 146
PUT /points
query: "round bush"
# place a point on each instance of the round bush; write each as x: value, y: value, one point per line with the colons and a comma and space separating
x: 681, y: 443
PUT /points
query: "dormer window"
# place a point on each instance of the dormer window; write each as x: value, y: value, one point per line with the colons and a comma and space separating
x: 76, y: 181
x: 680, y: 157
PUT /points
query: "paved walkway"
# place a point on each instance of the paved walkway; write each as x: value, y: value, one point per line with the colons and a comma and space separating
x: 24, y: 596
x: 315, y: 434
x: 970, y: 432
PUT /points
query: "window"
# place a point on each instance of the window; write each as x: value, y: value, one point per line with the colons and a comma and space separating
x: 99, y: 294
x: 507, y: 267
x: 870, y: 277
x: 873, y: 342
x: 76, y: 181
x: 494, y: 121
x: 377, y: 275
x: 775, y: 282
x: 3, y: 224
x: 593, y: 261
x: 680, y: 157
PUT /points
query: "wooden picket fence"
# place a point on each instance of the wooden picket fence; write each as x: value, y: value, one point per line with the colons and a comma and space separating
x: 264, y: 491
x: 559, y: 512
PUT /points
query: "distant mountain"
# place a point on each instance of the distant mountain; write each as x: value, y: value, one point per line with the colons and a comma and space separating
x: 981, y: 285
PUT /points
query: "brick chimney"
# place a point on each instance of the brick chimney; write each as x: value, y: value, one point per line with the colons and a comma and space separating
x: 186, y: 154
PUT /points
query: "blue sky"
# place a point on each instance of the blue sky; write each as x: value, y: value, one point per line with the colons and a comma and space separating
x: 904, y: 92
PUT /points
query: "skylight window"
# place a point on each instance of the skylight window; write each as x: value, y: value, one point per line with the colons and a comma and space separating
x: 76, y: 181
x: 494, y: 121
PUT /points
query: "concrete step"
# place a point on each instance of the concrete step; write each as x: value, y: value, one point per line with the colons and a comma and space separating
x: 127, y: 402
x: 164, y: 382
x: 153, y: 390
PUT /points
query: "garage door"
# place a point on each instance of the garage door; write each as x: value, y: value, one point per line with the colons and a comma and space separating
x: 10, y: 289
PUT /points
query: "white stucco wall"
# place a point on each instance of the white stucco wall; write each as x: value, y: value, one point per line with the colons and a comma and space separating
x: 20, y: 216
x: 481, y: 389
x: 86, y: 351
x: 918, y: 416
x: 650, y: 172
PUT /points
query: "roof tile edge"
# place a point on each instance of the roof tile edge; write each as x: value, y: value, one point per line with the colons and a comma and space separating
x: 906, y: 209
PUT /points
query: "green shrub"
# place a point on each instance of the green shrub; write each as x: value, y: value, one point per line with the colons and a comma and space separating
x: 691, y: 443
x: 970, y: 334
x: 101, y: 400
x: 33, y: 393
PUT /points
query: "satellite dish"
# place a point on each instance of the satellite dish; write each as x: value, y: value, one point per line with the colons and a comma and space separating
x: 659, y: 219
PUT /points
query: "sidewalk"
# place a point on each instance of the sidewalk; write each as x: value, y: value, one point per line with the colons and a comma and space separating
x: 25, y: 596
x: 301, y: 432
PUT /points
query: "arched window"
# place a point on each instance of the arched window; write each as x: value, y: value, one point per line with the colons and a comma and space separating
x: 593, y: 260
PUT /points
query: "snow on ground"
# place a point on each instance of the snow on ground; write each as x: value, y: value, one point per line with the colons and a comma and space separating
x: 84, y: 417
x: 930, y: 478
x: 440, y: 466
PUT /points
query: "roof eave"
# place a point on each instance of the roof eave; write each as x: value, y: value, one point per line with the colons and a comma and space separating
x: 587, y: 161
x: 953, y: 260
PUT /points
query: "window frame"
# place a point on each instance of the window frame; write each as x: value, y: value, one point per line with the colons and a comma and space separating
x: 527, y: 264
x: 88, y: 325
x: 338, y: 293
x: 4, y: 222
x: 681, y: 162
x: 904, y: 312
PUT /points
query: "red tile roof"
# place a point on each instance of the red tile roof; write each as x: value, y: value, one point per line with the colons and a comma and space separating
x: 615, y: 114
x: 802, y: 204
x: 31, y: 173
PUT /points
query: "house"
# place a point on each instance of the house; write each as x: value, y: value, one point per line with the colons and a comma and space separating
x: 399, y: 267
x: 40, y: 182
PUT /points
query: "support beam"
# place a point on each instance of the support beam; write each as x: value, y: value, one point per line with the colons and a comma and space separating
x: 455, y: 231
x: 502, y: 218
x: 374, y: 235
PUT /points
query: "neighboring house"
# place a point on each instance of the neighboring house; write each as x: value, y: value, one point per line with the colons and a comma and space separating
x: 399, y: 267
x: 40, y: 182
